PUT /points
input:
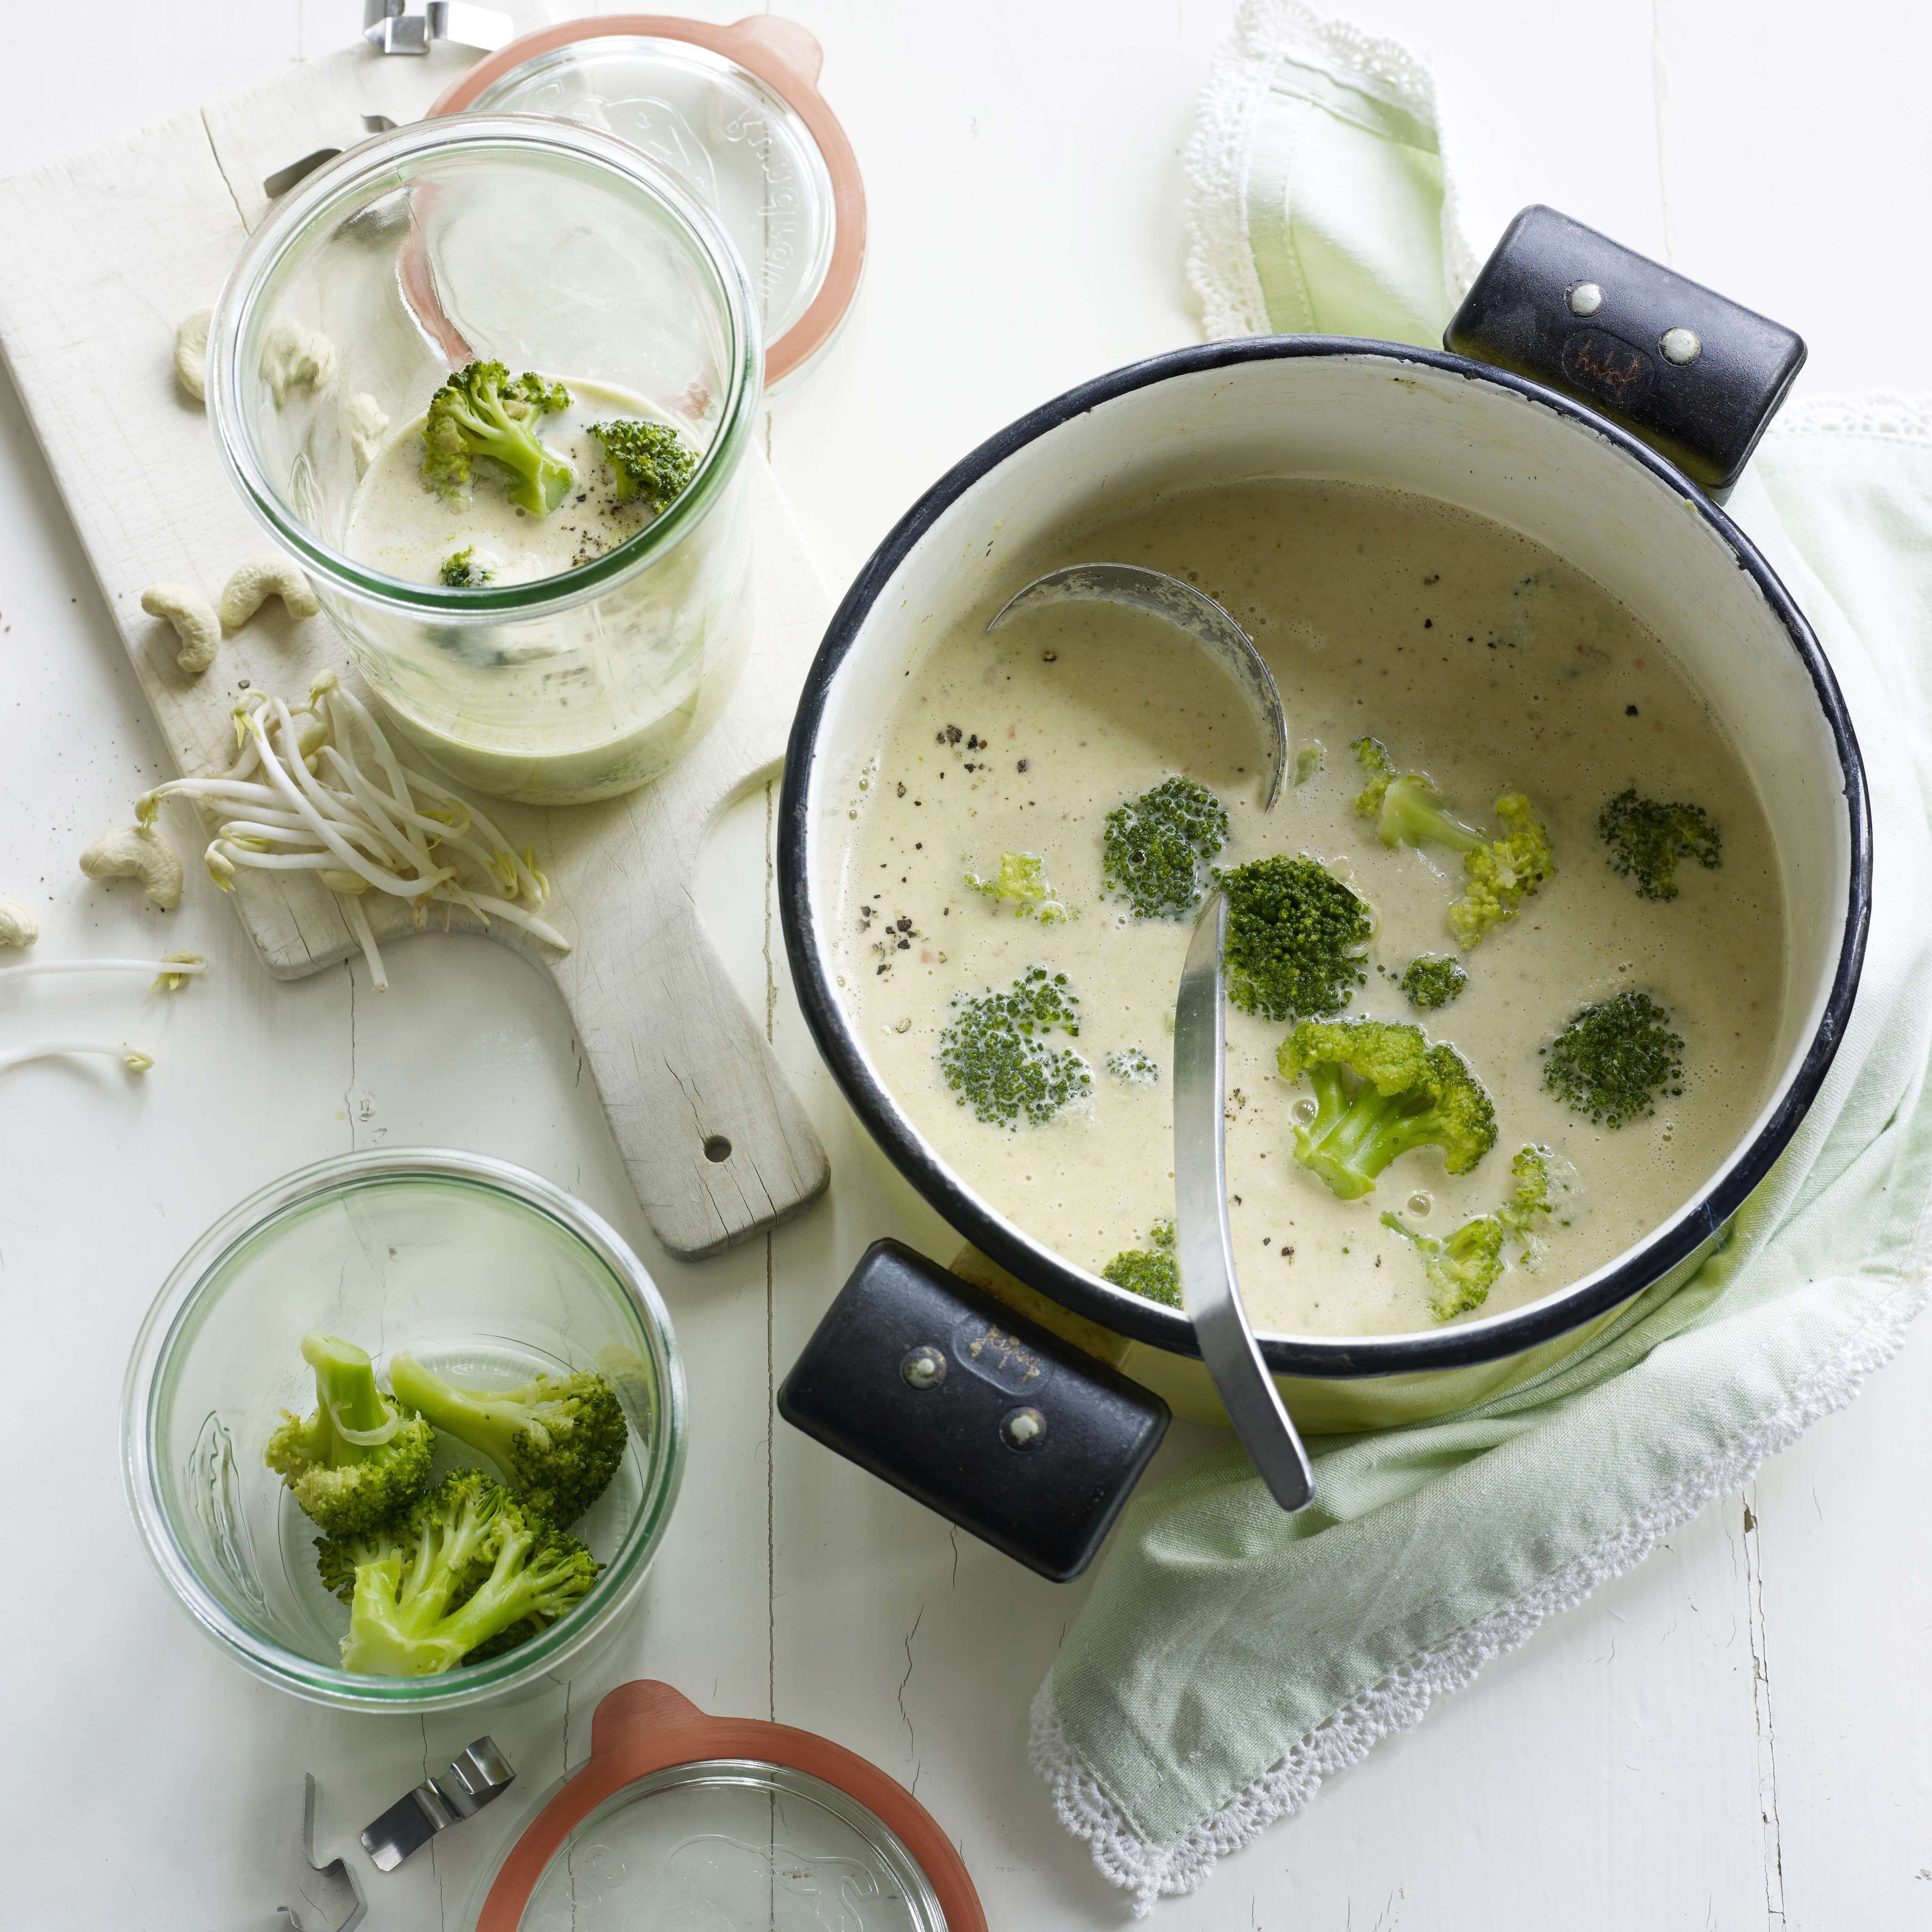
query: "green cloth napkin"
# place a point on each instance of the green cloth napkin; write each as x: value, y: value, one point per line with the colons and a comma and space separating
x: 1230, y: 1658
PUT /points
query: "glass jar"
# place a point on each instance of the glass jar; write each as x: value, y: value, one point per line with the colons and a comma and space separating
x: 488, y: 1274
x: 545, y: 246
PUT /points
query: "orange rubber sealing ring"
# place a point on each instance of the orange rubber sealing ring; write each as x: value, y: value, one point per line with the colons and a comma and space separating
x: 647, y: 1726
x: 782, y: 55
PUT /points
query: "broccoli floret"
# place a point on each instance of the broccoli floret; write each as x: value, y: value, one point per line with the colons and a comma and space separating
x: 1296, y: 936
x: 461, y: 571
x: 1381, y: 1090
x: 1647, y: 838
x: 1504, y: 873
x: 1613, y: 1060
x: 480, y: 412
x: 558, y: 1440
x: 340, y: 1483
x: 1151, y: 1271
x: 994, y: 1054
x: 1501, y: 873
x: 1022, y: 884
x: 650, y: 460
x: 1531, y: 1194
x: 1428, y: 983
x: 455, y: 1515
x: 1155, y: 849
x: 1406, y: 807
x: 468, y: 1566
x: 1136, y: 1067
x: 1460, y: 1268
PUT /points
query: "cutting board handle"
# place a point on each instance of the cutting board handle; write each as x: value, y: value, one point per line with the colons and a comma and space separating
x: 716, y: 1143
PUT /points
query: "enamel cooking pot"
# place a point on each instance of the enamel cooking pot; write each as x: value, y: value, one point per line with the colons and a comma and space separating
x: 1590, y: 399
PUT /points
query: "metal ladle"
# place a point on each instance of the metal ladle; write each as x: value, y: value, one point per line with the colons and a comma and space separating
x: 1203, y: 1244
x: 1157, y: 595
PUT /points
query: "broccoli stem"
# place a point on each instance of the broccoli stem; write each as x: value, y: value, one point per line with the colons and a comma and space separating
x: 539, y: 481
x: 1349, y: 1142
x: 1412, y: 814
x: 487, y: 1427
x: 346, y: 1395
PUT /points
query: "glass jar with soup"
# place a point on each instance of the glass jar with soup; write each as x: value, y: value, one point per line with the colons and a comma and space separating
x: 490, y: 381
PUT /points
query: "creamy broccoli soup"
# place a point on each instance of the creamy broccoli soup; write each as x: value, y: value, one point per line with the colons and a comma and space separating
x: 1572, y: 834
x: 411, y: 531
x: 508, y: 480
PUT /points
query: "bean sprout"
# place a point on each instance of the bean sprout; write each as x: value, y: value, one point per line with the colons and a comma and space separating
x: 130, y: 1057
x: 319, y: 789
x: 172, y: 970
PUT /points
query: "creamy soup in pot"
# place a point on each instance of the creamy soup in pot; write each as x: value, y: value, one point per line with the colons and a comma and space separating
x: 1475, y: 656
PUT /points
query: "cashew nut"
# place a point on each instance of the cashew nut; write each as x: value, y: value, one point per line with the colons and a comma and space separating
x: 254, y: 584
x: 294, y: 358
x: 367, y: 426
x: 18, y: 926
x: 137, y: 852
x: 198, y: 627
x: 191, y: 353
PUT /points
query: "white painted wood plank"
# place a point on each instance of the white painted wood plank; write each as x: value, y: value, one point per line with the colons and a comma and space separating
x: 85, y: 82
x: 1794, y: 147
x: 1790, y: 149
x: 1844, y: 1583
x: 102, y: 1184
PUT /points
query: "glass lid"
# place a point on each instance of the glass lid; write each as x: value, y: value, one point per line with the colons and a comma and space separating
x: 732, y: 113
x: 679, y: 1822
x: 726, y: 1846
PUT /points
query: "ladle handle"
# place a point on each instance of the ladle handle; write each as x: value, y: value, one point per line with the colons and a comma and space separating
x: 1696, y: 376
x: 1203, y: 1243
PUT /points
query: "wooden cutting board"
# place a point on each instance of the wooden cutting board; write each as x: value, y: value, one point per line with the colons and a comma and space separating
x: 102, y: 256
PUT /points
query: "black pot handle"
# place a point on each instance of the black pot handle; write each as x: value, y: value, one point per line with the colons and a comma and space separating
x: 1695, y: 376
x: 971, y: 1409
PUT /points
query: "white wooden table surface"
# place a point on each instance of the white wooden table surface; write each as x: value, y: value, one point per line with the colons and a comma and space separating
x: 1734, y: 1736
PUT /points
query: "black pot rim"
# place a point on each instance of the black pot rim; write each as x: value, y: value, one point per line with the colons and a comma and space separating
x: 1132, y: 1315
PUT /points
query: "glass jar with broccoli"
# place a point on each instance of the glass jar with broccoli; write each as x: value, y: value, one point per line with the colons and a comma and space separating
x: 438, y: 1573
x: 1503, y: 966
x: 478, y: 1504
x: 492, y: 386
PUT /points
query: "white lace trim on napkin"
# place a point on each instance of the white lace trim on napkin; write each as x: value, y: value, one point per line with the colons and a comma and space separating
x: 1220, y: 263
x: 1398, y: 1703
x: 1881, y: 413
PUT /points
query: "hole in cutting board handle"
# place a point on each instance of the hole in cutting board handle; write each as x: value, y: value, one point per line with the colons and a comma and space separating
x: 717, y: 1147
